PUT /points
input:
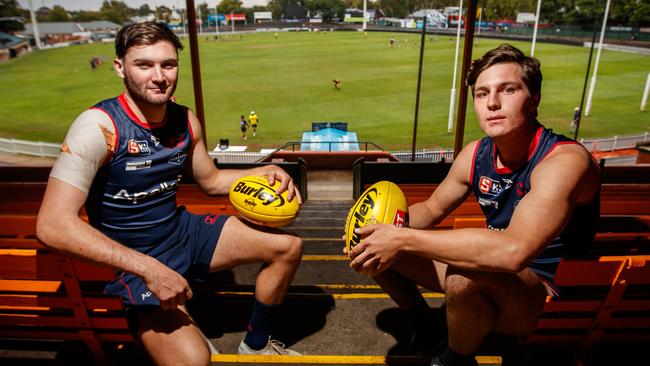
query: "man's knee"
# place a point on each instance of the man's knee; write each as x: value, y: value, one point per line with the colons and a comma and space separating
x: 183, y: 350
x: 458, y: 284
x: 291, y: 249
x: 195, y: 355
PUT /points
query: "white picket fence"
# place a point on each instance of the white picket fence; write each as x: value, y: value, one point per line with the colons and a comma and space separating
x: 48, y: 149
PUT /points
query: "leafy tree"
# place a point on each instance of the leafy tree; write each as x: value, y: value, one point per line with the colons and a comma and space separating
x: 144, y: 10
x: 203, y: 10
x: 229, y: 6
x: 58, y: 14
x: 396, y: 8
x: 85, y: 16
x: 631, y: 13
x: 11, y: 8
x: 116, y: 11
x: 163, y: 13
x: 500, y: 9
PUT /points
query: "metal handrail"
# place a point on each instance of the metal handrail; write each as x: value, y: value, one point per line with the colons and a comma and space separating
x: 293, y: 144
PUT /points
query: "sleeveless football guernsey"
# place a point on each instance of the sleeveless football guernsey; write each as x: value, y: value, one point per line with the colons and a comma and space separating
x: 498, y: 191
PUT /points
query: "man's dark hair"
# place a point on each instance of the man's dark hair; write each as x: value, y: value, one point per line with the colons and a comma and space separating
x: 144, y: 34
x: 531, y: 72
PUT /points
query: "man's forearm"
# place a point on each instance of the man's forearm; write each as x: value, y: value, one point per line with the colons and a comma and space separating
x: 79, y: 239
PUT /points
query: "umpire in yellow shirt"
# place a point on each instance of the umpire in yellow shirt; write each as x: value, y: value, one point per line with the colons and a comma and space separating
x: 252, y: 120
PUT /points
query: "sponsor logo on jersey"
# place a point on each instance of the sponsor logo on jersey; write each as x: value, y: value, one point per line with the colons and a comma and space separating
x: 489, y: 186
x: 123, y: 194
x: 263, y: 193
x: 360, y: 214
x: 521, y: 190
x: 400, y: 218
x: 178, y: 158
x: 145, y: 295
x: 495, y: 228
x: 488, y: 203
x: 138, y: 147
x: 156, y: 140
x: 508, y: 183
x: 210, y: 219
x: 138, y: 165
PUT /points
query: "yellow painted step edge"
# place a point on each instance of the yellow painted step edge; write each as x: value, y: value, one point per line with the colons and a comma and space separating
x: 335, y: 359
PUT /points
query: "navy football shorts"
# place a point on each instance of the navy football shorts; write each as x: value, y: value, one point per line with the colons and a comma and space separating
x: 186, y: 245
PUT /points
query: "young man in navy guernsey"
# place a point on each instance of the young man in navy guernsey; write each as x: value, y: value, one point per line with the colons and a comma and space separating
x: 540, y: 195
x: 123, y: 159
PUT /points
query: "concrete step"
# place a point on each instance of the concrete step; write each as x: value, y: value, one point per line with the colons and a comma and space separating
x: 313, y: 325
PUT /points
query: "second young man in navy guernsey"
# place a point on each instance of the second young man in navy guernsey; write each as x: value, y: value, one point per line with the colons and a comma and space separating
x: 123, y: 160
x: 539, y: 193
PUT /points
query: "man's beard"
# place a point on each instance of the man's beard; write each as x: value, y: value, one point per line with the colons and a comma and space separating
x: 139, y: 93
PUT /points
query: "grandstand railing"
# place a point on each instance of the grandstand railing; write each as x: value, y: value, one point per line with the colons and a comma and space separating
x: 292, y: 145
x: 434, y: 155
x: 39, y: 148
x: 614, y: 143
x: 237, y: 156
x: 48, y: 149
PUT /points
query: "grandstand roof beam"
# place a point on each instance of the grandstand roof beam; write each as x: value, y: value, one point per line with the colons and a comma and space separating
x: 467, y: 60
x: 196, y: 67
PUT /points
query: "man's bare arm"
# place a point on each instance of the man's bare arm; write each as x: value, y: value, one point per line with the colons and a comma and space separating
x: 565, y: 178
x: 59, y: 225
x: 214, y: 181
x: 453, y: 190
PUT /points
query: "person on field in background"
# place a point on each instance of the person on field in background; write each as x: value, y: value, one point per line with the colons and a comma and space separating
x: 253, y: 120
x: 575, y: 119
x: 123, y: 160
x: 539, y: 192
x: 243, y: 126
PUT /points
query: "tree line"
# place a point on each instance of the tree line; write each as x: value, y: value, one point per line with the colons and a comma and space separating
x: 583, y: 13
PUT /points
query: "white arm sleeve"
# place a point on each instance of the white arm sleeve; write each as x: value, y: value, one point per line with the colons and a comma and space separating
x: 89, y: 143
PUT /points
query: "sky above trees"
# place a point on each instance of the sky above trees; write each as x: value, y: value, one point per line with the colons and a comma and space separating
x: 96, y: 4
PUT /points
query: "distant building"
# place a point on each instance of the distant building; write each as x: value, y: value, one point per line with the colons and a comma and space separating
x: 525, y: 18
x: 12, y: 46
x: 59, y: 32
x: 435, y: 18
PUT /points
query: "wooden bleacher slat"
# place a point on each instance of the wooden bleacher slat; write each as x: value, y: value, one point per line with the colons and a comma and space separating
x: 67, y: 321
x: 584, y: 272
x: 109, y: 323
x: 106, y: 302
x: 35, y: 300
x: 29, y: 286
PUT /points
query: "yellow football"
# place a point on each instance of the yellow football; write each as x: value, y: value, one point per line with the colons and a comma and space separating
x: 255, y: 198
x: 381, y: 203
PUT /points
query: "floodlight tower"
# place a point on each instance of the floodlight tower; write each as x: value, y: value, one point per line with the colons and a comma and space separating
x: 592, y: 85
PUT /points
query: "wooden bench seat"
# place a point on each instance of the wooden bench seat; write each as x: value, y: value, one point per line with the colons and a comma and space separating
x: 47, y: 295
x: 605, y: 299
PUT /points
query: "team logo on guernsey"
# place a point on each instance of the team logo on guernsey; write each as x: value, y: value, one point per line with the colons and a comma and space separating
x: 138, y: 147
x: 489, y: 186
x: 178, y: 158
